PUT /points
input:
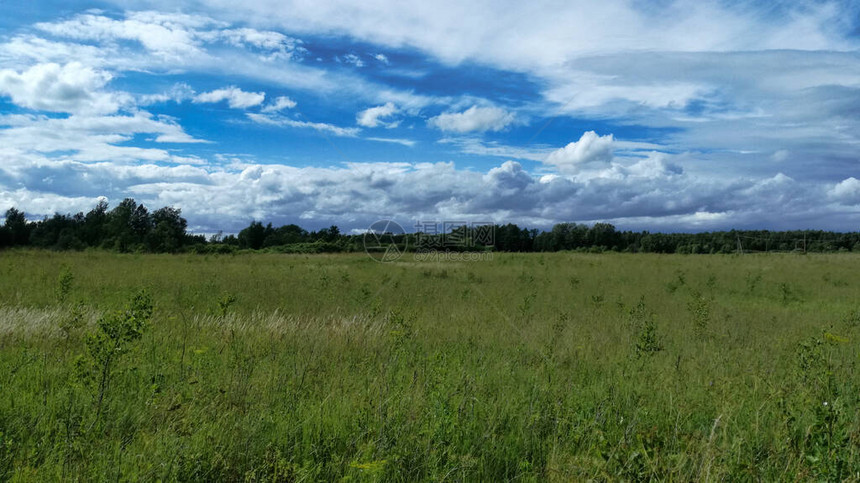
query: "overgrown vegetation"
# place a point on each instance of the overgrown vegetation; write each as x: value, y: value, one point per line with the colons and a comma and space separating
x: 564, y: 366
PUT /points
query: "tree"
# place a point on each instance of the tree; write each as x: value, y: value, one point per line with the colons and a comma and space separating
x: 168, y: 232
x: 285, y: 235
x: 60, y: 232
x: 93, y: 231
x: 253, y: 236
x: 120, y: 235
x: 16, y: 224
x: 603, y: 235
x: 329, y: 234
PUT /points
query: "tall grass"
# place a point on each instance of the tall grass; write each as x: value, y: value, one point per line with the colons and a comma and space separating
x: 530, y: 367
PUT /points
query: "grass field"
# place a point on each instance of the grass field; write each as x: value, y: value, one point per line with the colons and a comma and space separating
x: 529, y: 367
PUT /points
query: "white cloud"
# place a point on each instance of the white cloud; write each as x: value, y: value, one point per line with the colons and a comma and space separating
x: 371, y: 117
x: 847, y: 191
x: 509, y: 177
x: 654, y: 166
x: 195, y: 43
x: 404, y: 142
x: 70, y: 88
x: 382, y: 58
x: 590, y: 92
x: 661, y: 66
x: 168, y: 35
x: 780, y: 155
x: 317, y: 126
x: 88, y: 138
x: 354, y: 195
x: 180, y: 92
x: 26, y: 49
x: 455, y: 32
x: 281, y: 103
x: 473, y: 119
x: 235, y: 97
x: 472, y: 145
x: 351, y: 59
x: 268, y: 40
x: 590, y: 148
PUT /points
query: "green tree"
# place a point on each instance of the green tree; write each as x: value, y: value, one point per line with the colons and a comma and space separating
x: 17, y: 226
x: 168, y: 232
x: 253, y: 236
x: 93, y: 231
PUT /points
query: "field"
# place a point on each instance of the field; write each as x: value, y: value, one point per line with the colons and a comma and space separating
x: 529, y: 367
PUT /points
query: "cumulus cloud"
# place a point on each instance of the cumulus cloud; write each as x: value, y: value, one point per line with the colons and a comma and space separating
x: 72, y: 88
x: 473, y: 119
x: 281, y: 103
x: 847, y: 191
x: 654, y: 166
x: 235, y: 97
x: 356, y: 194
x: 509, y: 177
x: 591, y: 148
x: 372, y: 117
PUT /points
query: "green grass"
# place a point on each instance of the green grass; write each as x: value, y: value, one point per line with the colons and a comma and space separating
x: 529, y: 367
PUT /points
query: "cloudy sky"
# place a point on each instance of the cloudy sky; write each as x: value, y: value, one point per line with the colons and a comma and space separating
x: 661, y: 115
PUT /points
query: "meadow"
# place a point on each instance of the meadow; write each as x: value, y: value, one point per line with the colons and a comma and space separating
x: 530, y: 367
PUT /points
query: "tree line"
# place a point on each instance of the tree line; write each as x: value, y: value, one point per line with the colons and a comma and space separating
x: 132, y: 227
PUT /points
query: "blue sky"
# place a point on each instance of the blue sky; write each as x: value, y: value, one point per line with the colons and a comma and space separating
x: 664, y: 115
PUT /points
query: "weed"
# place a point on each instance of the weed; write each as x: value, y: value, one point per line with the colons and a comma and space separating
x: 642, y: 321
x: 699, y: 307
x: 324, y: 279
x: 648, y: 341
x: 111, y: 340
x: 524, y: 308
x: 679, y: 281
x: 828, y: 437
x: 711, y: 283
x: 73, y: 321
x: 786, y: 294
x: 752, y: 282
x: 225, y: 302
x: 852, y: 319
x: 64, y: 284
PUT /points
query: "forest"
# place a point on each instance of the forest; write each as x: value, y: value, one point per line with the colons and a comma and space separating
x: 132, y: 227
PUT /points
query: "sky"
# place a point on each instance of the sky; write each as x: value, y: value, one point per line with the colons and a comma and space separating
x: 652, y: 115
